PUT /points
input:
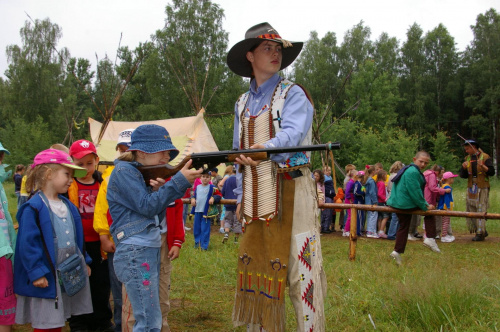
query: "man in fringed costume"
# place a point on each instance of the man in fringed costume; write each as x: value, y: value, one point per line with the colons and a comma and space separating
x: 281, y: 245
x: 477, y: 168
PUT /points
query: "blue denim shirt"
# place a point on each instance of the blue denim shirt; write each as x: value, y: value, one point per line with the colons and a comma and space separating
x: 297, y: 117
x: 133, y: 206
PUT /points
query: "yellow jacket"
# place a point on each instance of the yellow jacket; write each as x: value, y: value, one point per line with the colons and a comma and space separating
x: 101, y: 224
x: 73, y: 194
x: 23, y: 187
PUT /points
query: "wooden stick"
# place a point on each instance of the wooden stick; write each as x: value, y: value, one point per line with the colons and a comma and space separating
x: 481, y: 215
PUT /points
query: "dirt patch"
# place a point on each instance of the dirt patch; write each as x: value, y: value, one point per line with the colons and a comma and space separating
x: 180, y: 303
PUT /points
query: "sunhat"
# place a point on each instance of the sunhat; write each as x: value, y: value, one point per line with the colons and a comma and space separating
x: 53, y: 156
x: 448, y: 175
x: 81, y: 148
x: 3, y: 149
x: 125, y: 138
x: 237, y: 60
x: 151, y: 138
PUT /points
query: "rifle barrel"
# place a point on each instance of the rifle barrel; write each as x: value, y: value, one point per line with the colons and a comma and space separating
x: 317, y: 147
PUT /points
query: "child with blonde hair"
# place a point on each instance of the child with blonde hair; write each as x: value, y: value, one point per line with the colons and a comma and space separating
x: 50, y: 239
x: 370, y: 199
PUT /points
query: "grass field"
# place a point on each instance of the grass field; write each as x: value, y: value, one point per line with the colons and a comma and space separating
x: 457, y: 290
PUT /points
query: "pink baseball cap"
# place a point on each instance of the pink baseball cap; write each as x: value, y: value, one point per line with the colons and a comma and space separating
x: 448, y: 175
x: 81, y: 148
x: 53, y: 156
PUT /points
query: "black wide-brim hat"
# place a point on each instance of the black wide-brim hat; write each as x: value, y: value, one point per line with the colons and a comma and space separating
x: 237, y: 56
x: 471, y: 141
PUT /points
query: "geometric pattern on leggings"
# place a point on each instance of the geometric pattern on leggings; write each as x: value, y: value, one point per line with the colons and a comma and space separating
x: 306, y: 247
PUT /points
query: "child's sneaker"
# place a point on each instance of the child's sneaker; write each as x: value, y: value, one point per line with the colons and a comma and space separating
x: 412, y: 238
x: 382, y: 235
x: 431, y: 244
x: 372, y: 235
x: 221, y: 230
x: 346, y: 234
x: 447, y: 239
x: 196, y: 245
x: 397, y: 257
x: 226, y: 237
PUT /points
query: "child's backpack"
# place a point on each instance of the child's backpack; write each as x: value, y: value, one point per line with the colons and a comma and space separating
x: 403, y: 170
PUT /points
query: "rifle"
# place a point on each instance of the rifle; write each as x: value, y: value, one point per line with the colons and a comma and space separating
x: 209, y: 160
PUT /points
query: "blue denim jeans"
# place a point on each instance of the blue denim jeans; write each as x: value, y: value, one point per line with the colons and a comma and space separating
x: 138, y: 268
x: 185, y: 212
x: 201, y: 230
x: 326, y: 216
x: 393, y: 227
x: 116, y: 290
x: 371, y: 221
x: 360, y: 218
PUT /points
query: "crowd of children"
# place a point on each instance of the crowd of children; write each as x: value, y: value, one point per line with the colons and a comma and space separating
x: 124, y: 242
x: 84, y: 234
x: 373, y: 187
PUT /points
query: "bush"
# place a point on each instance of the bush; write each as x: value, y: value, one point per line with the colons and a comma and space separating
x: 24, y: 140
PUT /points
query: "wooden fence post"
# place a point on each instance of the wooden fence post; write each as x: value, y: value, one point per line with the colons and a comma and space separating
x: 353, y: 235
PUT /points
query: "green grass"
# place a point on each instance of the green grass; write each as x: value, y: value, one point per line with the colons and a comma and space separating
x: 457, y: 290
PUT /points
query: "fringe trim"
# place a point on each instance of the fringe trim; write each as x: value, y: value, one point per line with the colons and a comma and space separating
x: 471, y: 226
x: 273, y: 312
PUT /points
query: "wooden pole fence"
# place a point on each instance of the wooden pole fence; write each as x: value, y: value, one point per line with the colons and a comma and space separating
x: 353, y: 237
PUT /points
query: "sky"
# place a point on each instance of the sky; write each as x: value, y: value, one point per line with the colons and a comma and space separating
x: 93, y: 27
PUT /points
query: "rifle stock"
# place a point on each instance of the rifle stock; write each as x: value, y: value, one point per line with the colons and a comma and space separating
x: 208, y: 160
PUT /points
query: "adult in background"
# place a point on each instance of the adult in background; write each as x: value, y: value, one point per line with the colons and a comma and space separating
x: 477, y: 168
x: 282, y: 241
x: 408, y: 194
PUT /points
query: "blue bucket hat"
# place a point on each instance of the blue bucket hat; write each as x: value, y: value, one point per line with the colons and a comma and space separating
x: 3, y: 149
x: 151, y: 138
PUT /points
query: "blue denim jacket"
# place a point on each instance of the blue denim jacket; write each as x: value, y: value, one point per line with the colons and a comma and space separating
x: 371, y: 192
x: 132, y: 205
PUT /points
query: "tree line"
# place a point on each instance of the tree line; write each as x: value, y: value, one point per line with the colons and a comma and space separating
x: 383, y: 99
